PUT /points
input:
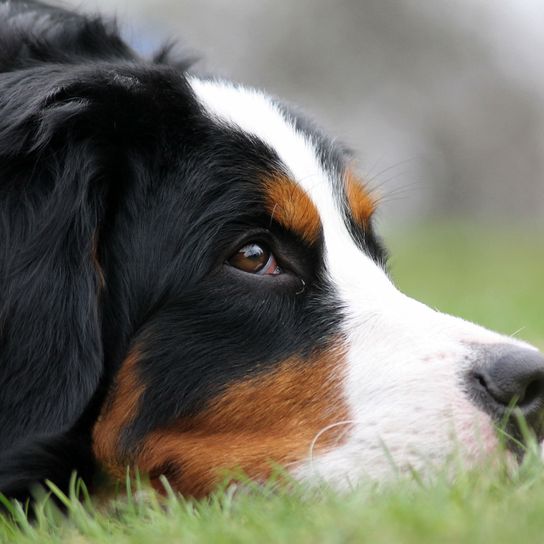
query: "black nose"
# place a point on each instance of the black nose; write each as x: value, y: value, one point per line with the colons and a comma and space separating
x: 508, y: 376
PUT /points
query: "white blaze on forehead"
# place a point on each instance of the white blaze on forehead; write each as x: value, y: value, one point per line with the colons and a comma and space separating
x: 255, y: 113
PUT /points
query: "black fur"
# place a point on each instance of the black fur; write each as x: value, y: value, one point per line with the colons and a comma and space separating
x: 109, y: 170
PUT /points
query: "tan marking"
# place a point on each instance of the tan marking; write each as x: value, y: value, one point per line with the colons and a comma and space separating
x: 118, y: 411
x: 360, y: 200
x: 290, y: 206
x: 263, y: 421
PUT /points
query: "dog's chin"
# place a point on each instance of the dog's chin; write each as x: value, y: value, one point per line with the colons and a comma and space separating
x: 470, y: 441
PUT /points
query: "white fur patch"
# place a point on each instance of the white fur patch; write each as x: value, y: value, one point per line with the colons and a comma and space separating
x: 405, y: 360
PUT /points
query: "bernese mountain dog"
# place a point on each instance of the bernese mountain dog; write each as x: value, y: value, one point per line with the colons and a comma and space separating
x: 190, y: 283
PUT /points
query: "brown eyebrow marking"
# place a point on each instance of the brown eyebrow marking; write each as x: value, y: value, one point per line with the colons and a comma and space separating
x: 360, y: 200
x: 289, y: 205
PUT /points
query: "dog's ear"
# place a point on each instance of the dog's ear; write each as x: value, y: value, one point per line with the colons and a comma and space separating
x: 53, y: 197
x: 54, y: 458
x: 32, y: 32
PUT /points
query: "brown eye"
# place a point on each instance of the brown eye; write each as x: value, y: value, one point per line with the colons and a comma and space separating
x: 255, y: 258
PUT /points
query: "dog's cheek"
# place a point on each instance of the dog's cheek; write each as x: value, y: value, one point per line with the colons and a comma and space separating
x: 255, y: 425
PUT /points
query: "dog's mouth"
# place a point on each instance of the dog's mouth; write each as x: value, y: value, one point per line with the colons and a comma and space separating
x: 519, y: 435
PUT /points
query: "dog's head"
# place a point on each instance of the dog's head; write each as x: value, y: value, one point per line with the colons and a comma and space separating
x: 269, y: 329
x: 209, y: 257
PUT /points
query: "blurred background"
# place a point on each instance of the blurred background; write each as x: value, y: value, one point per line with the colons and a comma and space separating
x: 442, y: 103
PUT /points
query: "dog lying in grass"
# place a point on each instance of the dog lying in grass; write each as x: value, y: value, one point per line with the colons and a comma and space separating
x: 191, y: 282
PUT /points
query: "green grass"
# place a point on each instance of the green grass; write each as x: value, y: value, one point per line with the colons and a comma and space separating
x: 492, y: 276
x: 483, y: 506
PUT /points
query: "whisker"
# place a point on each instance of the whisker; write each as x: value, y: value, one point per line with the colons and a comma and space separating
x: 341, y: 436
x: 373, y: 176
x: 320, y: 433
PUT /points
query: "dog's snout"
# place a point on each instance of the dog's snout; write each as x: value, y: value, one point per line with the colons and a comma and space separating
x: 510, y: 376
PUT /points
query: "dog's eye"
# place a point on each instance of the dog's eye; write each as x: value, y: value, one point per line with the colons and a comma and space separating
x: 255, y: 258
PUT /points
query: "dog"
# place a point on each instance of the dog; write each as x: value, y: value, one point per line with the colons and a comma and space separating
x: 191, y: 284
